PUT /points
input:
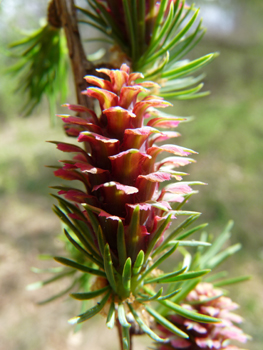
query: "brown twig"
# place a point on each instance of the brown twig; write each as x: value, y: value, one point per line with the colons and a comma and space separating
x: 80, y: 65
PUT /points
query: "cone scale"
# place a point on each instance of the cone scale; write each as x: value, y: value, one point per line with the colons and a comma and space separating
x: 208, y: 300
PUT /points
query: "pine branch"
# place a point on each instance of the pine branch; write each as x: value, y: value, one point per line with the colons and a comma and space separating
x: 80, y: 65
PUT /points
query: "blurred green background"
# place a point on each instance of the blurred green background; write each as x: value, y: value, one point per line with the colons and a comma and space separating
x: 227, y: 131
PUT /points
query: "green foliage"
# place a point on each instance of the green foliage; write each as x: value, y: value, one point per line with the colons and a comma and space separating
x: 133, y: 279
x: 154, y: 39
x: 42, y: 68
x: 154, y: 45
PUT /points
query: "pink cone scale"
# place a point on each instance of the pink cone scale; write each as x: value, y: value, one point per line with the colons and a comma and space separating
x: 207, y: 300
x: 116, y: 163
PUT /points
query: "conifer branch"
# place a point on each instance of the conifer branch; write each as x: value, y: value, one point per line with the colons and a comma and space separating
x: 79, y: 63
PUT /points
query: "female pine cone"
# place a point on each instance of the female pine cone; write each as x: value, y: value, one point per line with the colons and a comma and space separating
x: 117, y: 164
x: 206, y: 300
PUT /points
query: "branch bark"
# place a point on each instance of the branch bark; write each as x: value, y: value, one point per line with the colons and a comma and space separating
x: 80, y: 65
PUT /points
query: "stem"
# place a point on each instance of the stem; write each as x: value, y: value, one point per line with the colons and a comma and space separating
x: 119, y: 333
x: 80, y: 65
x: 131, y: 340
x: 119, y: 328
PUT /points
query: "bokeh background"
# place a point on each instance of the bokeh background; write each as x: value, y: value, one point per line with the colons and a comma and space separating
x: 227, y: 131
